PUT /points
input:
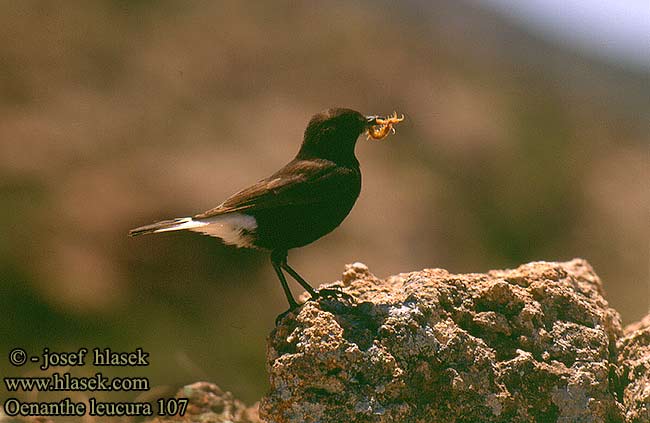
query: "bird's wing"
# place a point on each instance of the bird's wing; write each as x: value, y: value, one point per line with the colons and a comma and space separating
x: 299, y: 182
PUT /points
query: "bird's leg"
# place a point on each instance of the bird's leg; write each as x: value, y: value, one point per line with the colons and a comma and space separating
x: 299, y: 278
x: 321, y: 293
x: 278, y: 270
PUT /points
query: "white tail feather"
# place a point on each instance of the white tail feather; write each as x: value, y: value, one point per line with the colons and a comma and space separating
x: 183, y: 223
x: 234, y: 228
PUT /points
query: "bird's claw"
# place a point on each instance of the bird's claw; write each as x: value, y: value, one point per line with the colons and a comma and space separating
x: 284, y: 314
x: 334, y: 293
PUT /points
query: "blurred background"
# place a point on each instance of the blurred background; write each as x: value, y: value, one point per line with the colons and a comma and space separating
x: 526, y: 138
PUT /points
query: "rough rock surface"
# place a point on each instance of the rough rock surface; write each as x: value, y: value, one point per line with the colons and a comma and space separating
x: 534, y: 344
x: 634, y: 371
x: 209, y: 404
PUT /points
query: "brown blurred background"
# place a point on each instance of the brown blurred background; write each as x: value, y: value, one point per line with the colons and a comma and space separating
x: 113, y: 114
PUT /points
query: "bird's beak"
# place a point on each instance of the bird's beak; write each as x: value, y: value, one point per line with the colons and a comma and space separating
x: 371, y: 121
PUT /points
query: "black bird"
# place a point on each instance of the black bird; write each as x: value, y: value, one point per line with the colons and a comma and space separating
x: 299, y: 203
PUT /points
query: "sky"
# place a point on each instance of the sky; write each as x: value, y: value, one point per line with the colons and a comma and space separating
x: 616, y: 31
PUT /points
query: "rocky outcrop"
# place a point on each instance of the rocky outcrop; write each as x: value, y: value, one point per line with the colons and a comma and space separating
x: 534, y: 344
x: 209, y: 404
x: 634, y: 371
x: 538, y: 343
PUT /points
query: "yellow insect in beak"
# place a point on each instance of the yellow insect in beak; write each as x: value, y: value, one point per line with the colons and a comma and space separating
x: 383, y: 126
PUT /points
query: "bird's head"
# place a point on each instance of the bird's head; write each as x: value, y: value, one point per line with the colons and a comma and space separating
x: 333, y: 133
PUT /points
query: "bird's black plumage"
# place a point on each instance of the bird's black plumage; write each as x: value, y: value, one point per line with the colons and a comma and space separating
x: 306, y: 199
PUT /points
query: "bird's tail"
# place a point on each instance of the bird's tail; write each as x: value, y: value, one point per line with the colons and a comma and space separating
x: 167, y: 225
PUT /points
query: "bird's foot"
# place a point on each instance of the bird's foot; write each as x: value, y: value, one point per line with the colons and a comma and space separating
x: 336, y: 301
x: 282, y: 315
x: 334, y: 293
x: 327, y: 293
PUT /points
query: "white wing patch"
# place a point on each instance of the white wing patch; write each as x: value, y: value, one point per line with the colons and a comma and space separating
x: 233, y: 228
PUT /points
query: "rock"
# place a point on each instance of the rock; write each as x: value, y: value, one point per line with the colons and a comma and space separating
x: 634, y: 371
x: 209, y: 404
x: 534, y: 344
